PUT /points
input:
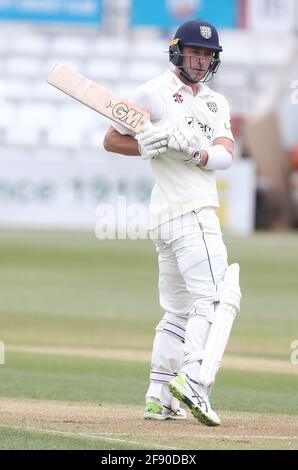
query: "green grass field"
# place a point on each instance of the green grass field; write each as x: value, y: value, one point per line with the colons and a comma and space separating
x: 77, y: 318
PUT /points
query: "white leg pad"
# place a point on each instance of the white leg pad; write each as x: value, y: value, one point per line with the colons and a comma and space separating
x: 221, y: 327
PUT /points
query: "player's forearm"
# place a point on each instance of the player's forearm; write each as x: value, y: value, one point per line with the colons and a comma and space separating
x: 122, y: 144
x: 219, y: 156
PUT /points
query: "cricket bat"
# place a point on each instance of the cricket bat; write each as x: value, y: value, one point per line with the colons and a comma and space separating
x: 98, y: 98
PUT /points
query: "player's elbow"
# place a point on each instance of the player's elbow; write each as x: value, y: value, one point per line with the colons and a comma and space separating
x: 107, y: 142
x: 226, y: 143
x: 230, y: 149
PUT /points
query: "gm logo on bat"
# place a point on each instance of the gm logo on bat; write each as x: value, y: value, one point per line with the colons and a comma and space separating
x: 122, y: 112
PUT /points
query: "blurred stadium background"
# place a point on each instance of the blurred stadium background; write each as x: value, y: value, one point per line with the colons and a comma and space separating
x: 53, y: 167
x: 67, y: 296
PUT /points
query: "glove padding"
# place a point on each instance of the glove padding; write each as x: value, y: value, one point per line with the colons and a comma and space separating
x: 153, y: 142
x: 183, y: 141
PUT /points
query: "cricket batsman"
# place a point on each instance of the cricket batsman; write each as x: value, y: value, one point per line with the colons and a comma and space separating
x: 188, y: 139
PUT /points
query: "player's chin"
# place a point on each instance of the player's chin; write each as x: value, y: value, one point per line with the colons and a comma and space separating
x: 197, y: 75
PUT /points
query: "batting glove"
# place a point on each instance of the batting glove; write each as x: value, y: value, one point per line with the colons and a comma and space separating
x: 183, y: 141
x: 153, y: 142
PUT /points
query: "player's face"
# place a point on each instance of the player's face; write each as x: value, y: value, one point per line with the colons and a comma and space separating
x: 196, y: 61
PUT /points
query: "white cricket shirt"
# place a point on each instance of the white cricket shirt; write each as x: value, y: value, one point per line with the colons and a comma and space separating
x: 180, y: 187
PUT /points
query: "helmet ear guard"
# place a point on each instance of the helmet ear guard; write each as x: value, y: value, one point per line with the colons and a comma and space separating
x: 214, y: 66
x: 175, y: 52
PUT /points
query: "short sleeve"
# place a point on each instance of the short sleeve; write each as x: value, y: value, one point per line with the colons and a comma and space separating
x: 145, y: 97
x: 222, y: 126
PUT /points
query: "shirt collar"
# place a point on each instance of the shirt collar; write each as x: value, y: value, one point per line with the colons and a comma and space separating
x: 176, y: 84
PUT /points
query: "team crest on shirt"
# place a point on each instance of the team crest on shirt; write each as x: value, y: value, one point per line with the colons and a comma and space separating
x: 212, y: 106
x: 206, y: 32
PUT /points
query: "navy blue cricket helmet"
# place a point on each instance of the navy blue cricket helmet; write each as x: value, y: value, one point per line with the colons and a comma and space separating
x: 196, y: 33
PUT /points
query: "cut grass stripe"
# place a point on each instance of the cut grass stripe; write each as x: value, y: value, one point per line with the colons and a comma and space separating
x: 234, y: 362
x: 87, y: 435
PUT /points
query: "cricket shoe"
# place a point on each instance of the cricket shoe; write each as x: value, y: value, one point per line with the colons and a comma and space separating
x: 156, y: 411
x: 195, y: 396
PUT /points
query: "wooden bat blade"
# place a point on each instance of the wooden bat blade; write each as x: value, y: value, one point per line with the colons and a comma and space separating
x: 98, y: 98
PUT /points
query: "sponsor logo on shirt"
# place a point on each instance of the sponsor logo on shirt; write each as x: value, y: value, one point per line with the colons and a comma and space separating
x: 206, y: 130
x: 178, y: 98
x: 190, y: 121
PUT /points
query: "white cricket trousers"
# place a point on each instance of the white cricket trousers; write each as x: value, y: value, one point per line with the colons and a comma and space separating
x: 192, y: 263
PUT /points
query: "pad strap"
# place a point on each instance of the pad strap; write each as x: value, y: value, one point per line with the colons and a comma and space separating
x: 161, y: 377
x: 172, y: 328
